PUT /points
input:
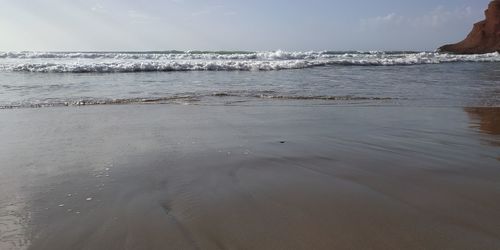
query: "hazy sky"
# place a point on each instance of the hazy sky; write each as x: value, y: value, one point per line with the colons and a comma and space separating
x: 60, y: 25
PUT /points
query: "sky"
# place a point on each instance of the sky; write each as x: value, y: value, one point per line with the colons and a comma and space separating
x: 253, y: 25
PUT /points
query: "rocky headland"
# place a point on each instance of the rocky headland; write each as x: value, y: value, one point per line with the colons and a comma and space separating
x: 484, y: 37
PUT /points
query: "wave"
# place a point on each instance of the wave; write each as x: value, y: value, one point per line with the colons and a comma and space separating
x: 187, y: 99
x: 222, y: 55
x: 112, y: 62
x: 187, y: 55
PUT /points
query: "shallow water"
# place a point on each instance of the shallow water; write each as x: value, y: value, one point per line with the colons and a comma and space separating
x: 397, y: 78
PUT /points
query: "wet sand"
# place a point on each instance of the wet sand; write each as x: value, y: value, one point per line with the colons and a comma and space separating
x: 285, y: 176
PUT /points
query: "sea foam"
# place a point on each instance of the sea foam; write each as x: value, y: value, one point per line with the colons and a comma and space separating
x: 114, y: 62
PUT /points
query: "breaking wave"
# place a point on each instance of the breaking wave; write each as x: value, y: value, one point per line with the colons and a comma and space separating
x: 114, y: 62
x: 194, y: 55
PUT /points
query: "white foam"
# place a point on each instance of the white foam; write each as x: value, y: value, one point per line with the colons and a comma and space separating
x: 271, y: 55
x: 213, y: 61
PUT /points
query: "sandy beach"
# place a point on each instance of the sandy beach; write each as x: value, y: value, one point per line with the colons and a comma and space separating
x: 249, y: 125
x: 283, y: 176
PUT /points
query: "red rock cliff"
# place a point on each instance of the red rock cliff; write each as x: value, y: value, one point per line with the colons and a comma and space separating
x: 484, y: 37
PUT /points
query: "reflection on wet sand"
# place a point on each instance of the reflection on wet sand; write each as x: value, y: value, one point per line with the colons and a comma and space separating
x: 487, y: 121
x: 217, y: 177
x: 13, y: 223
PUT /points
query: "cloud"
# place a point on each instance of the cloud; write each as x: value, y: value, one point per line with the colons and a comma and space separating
x: 437, y: 18
x: 98, y: 8
x: 215, y: 9
x: 391, y: 19
x: 230, y: 13
x: 140, y: 17
x: 440, y: 17
x: 208, y: 10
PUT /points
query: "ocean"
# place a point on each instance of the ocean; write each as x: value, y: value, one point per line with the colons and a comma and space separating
x: 44, y: 79
x: 249, y: 150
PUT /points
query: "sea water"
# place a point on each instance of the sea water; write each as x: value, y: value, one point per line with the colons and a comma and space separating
x: 42, y: 79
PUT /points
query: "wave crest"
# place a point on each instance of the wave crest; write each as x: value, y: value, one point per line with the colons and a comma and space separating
x: 225, y: 97
x: 86, y: 62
